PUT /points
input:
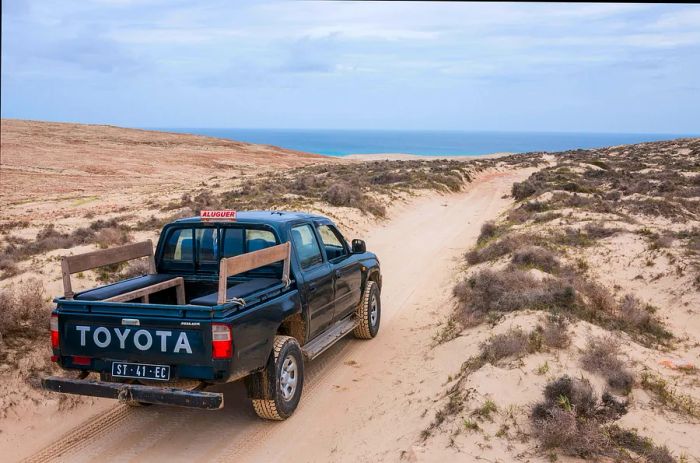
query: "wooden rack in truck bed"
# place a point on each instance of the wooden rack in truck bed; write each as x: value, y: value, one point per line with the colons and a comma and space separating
x: 227, y: 296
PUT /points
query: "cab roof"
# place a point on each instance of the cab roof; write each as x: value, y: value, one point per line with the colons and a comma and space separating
x: 260, y: 217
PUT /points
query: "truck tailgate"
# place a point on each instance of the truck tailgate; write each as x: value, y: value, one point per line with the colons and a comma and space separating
x: 169, y: 341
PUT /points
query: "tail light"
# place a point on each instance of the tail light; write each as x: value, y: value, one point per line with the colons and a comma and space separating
x: 54, y: 331
x: 221, y: 342
x: 82, y: 360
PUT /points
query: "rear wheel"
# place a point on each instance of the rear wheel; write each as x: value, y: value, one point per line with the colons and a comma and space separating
x: 368, y: 312
x: 284, y: 382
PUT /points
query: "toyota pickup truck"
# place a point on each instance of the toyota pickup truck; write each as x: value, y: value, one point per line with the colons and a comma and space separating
x: 228, y: 296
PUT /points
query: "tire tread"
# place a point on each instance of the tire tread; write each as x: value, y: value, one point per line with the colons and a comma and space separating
x: 362, y: 330
x: 266, y: 408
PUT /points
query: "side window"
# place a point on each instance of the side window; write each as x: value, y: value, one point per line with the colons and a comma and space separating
x: 332, y: 242
x: 306, y: 245
x: 178, y: 248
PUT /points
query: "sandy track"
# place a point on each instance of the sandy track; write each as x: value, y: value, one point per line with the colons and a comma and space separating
x: 363, y: 400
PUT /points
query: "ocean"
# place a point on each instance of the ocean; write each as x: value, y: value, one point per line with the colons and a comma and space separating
x: 429, y: 143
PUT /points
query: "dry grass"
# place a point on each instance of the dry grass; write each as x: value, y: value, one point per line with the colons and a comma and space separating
x: 669, y: 397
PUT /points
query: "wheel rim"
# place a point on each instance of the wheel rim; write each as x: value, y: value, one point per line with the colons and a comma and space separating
x: 373, y: 311
x: 288, y: 377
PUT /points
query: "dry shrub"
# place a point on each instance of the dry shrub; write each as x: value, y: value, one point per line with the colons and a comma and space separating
x: 572, y: 419
x: 496, y: 249
x: 536, y: 257
x: 506, y: 291
x: 555, y: 332
x: 136, y: 268
x: 345, y: 195
x: 519, y: 215
x: 639, y: 317
x: 8, y: 267
x: 598, y: 230
x: 547, y: 217
x: 49, y: 239
x: 578, y: 393
x: 488, y: 230
x: 513, y: 343
x: 342, y: 194
x: 599, y: 300
x: 633, y: 312
x: 601, y: 355
x: 24, y: 310
x: 112, y: 237
x: 643, y: 446
x: 574, y: 437
x: 522, y: 190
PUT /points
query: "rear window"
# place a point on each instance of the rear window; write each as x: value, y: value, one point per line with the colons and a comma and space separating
x: 179, y: 246
x: 202, y: 248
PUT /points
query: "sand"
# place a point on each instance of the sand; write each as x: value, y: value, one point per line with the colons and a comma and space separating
x: 363, y: 400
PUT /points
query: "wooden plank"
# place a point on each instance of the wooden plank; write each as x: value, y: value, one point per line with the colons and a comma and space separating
x: 256, y: 259
x: 110, y: 256
x: 180, y: 293
x: 67, y: 287
x: 144, y: 292
x: 238, y: 264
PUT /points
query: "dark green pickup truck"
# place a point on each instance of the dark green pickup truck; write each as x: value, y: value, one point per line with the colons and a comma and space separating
x: 229, y: 296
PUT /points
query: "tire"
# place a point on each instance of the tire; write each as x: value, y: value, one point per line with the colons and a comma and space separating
x: 368, y: 312
x: 285, y: 373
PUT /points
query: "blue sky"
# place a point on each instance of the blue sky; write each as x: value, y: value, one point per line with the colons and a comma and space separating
x: 524, y: 67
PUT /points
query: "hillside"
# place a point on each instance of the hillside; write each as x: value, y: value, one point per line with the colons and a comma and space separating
x: 49, y: 159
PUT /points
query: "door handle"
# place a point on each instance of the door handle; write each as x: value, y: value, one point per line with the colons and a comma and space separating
x: 312, y: 288
x: 338, y: 273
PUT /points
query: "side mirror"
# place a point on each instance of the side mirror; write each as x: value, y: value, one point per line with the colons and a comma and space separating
x: 358, y: 246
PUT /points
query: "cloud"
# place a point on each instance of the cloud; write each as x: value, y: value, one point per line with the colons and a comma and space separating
x: 337, y: 58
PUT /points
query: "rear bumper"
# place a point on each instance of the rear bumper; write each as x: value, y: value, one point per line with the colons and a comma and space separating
x: 135, y: 392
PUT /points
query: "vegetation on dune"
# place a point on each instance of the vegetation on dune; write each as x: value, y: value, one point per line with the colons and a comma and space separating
x: 622, y: 186
x: 573, y: 420
x: 366, y: 186
x: 532, y: 259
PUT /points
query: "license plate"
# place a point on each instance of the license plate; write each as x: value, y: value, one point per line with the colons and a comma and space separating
x: 141, y: 370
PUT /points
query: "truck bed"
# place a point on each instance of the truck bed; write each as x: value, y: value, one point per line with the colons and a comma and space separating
x: 205, y: 293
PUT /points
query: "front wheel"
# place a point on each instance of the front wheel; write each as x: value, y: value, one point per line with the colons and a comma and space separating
x: 368, y: 313
x: 286, y: 370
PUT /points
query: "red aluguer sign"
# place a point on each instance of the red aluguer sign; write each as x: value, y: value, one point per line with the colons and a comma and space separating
x: 218, y: 215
